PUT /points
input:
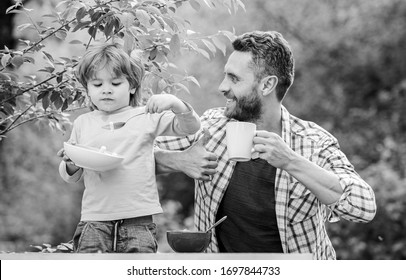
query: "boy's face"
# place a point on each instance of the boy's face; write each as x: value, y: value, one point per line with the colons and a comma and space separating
x: 107, y: 92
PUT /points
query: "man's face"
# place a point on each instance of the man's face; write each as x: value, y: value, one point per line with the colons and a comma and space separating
x: 240, y: 88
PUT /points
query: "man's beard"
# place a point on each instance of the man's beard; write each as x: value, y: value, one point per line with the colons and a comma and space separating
x: 247, y: 108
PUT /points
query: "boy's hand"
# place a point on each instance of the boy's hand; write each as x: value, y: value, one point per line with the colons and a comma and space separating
x: 71, y: 168
x: 161, y: 102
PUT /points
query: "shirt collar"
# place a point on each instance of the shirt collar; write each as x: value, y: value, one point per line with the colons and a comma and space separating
x: 285, y: 119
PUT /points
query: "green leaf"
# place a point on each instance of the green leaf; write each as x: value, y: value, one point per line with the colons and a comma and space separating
x: 66, y: 59
x: 54, y: 95
x: 81, y: 13
x: 66, y: 92
x: 37, y: 247
x: 50, y: 16
x: 33, y: 97
x: 61, y: 34
x: 195, y: 5
x: 65, y: 105
x: 4, y: 77
x: 59, y: 78
x: 153, y: 53
x: 23, y: 26
x: 61, y: 3
x: 174, y: 45
x: 58, y: 102
x: 95, y: 16
x: 171, y: 23
x: 92, y: 31
x: 45, y: 102
x: 152, y: 10
x: 17, y: 61
x: 15, y: 12
x: 203, y: 53
x: 49, y: 56
x: 8, y: 109
x: 5, y: 60
x: 143, y: 17
x: 160, y: 21
x: 240, y: 4
x: 108, y: 29
x: 209, y: 3
x: 231, y: 36
x: 128, y: 42
x: 81, y: 25
x: 182, y: 87
x: 219, y: 44
x: 65, y: 247
x: 126, y: 19
x: 162, y: 84
x: 42, y: 94
x: 193, y: 80
x: 47, y: 69
x: 11, y: 8
x: 76, y: 42
x: 209, y: 45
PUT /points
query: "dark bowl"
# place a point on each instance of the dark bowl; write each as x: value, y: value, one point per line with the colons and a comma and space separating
x: 188, y: 241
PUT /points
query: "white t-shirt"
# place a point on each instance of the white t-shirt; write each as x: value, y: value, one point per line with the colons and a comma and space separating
x: 129, y: 190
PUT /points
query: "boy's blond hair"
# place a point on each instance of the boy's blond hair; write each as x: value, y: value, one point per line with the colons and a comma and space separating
x: 114, y: 58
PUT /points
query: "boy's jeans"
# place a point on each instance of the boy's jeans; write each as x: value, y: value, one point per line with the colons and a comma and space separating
x: 135, y: 235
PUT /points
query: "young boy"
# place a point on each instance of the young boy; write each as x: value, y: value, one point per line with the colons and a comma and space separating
x: 118, y: 205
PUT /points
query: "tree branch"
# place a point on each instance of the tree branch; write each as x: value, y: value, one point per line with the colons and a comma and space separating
x: 53, y: 76
x: 40, y: 41
x: 7, y: 129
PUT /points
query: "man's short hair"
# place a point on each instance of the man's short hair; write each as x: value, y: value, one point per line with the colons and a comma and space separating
x: 271, y: 55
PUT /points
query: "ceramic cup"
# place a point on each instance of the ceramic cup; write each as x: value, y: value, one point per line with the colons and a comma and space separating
x: 239, y: 140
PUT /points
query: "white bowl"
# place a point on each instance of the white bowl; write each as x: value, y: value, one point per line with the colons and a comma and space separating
x: 92, y: 158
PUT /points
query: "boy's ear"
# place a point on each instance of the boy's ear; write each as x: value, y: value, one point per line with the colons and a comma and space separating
x: 269, y: 84
x: 132, y: 91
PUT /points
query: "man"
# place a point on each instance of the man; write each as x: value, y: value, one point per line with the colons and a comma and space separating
x: 297, y: 179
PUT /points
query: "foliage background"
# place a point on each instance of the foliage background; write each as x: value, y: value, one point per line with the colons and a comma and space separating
x: 350, y: 78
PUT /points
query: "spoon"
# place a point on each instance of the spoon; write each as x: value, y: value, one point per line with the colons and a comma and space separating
x: 118, y: 125
x: 217, y: 223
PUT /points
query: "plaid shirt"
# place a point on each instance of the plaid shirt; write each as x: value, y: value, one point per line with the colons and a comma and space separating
x: 300, y: 215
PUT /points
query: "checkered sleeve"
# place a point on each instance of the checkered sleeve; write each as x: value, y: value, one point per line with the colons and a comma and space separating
x: 174, y: 143
x: 357, y: 203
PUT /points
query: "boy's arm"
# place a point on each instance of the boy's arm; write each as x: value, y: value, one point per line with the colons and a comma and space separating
x: 69, y: 178
x: 68, y: 171
x: 187, y: 121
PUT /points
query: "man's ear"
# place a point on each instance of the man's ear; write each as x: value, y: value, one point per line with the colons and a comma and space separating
x: 269, y: 84
x: 132, y: 91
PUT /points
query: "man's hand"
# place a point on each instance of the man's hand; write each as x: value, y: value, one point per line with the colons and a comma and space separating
x: 201, y: 163
x: 196, y: 162
x: 273, y: 149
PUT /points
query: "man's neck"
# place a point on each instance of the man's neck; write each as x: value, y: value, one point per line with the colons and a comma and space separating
x: 271, y: 119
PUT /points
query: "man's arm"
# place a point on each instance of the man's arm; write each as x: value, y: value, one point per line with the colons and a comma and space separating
x: 323, y: 184
x: 340, y: 187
